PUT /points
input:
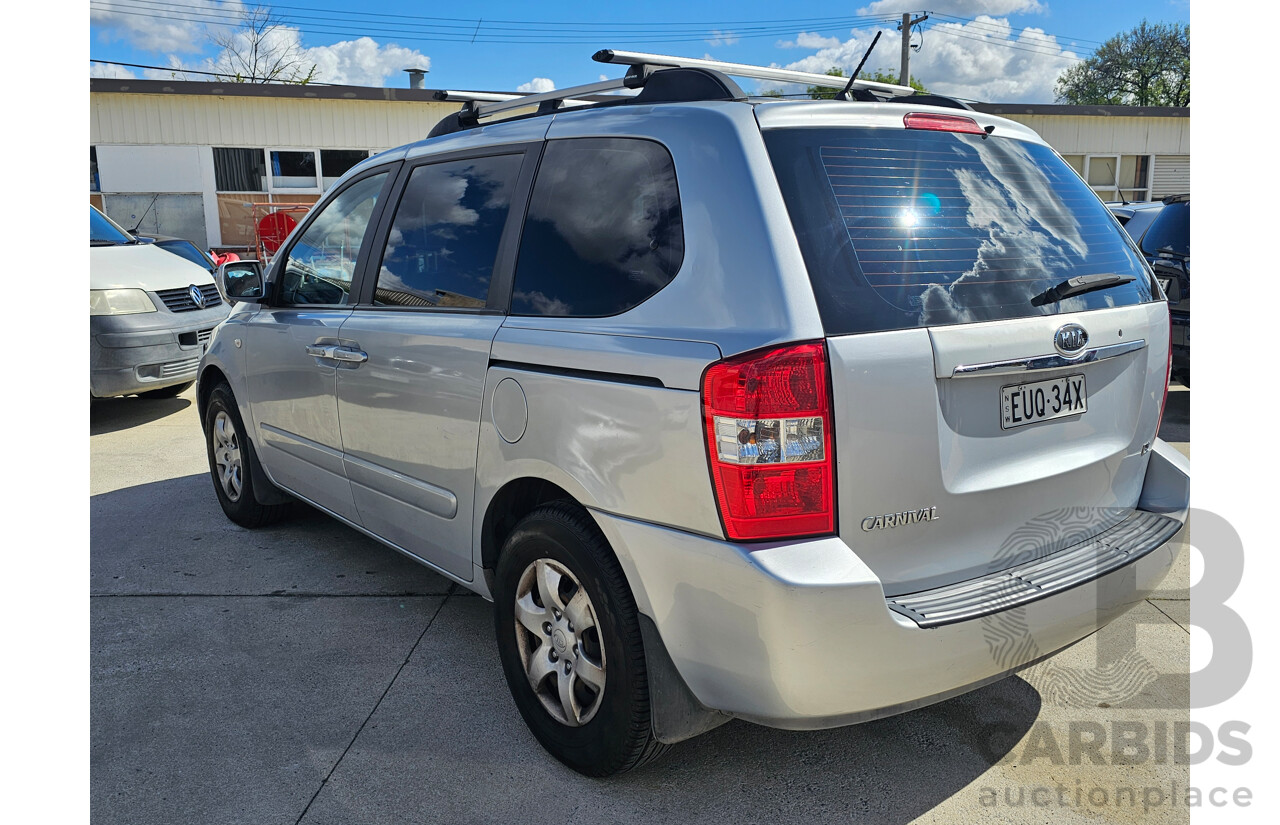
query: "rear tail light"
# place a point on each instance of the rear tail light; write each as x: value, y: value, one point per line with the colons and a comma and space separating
x: 768, y: 423
x: 943, y: 123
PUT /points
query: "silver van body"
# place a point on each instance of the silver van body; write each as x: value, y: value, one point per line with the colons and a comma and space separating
x: 948, y: 526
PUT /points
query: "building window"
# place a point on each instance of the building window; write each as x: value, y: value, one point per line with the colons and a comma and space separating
x: 293, y: 170
x: 1115, y: 177
x: 239, y: 170
x: 94, y: 185
x: 334, y: 163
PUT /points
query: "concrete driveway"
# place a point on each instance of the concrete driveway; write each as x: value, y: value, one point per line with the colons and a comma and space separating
x: 306, y: 674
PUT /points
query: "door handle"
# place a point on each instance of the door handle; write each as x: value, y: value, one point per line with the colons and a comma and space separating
x: 333, y: 352
x: 351, y: 356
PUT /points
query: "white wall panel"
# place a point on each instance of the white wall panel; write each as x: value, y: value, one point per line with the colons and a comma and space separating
x: 150, y: 168
x: 117, y: 118
x: 1072, y: 135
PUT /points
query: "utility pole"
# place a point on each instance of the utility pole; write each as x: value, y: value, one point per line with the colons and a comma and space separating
x: 904, y: 79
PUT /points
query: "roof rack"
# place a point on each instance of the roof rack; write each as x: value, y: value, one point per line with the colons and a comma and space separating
x: 665, y: 79
x: 825, y: 81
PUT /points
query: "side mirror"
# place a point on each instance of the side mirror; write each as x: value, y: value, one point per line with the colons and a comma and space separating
x: 240, y: 281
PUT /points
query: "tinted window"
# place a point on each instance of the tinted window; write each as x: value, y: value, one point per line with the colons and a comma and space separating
x: 239, y: 170
x: 1172, y: 230
x: 444, y: 239
x: 905, y: 228
x: 335, y: 162
x: 188, y: 250
x: 603, y: 232
x: 323, y: 261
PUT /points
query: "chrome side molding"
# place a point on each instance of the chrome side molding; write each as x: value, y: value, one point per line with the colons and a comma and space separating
x: 1047, y: 362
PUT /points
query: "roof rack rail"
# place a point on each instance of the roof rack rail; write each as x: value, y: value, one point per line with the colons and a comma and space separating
x: 825, y: 81
x: 666, y: 79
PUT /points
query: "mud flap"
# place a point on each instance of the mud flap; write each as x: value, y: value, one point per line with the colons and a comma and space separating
x: 677, y: 714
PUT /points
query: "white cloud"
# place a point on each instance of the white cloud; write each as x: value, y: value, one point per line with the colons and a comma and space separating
x: 103, y: 70
x: 719, y: 38
x: 363, y: 62
x: 984, y: 60
x: 537, y: 86
x: 359, y: 62
x: 809, y: 40
x: 164, y: 34
x: 959, y: 8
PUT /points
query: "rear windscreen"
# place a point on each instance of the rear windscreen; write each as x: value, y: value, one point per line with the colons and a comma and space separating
x: 905, y: 228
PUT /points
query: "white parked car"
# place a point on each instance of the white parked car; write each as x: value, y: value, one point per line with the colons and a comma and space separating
x: 151, y: 314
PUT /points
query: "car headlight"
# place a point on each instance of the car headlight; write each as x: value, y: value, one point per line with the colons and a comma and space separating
x: 119, y: 302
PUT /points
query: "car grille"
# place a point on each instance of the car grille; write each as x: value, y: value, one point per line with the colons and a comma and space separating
x: 180, y: 300
x: 176, y: 368
x: 200, y: 336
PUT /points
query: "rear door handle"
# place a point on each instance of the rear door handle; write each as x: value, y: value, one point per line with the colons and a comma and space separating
x: 321, y: 351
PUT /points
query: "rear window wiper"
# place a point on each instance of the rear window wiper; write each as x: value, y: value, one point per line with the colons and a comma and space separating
x: 1079, y: 286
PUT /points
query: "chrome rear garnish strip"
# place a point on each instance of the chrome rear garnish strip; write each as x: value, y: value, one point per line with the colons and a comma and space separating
x: 1047, y: 362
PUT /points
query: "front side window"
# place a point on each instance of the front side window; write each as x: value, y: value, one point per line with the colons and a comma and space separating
x: 444, y: 240
x: 322, y: 262
x: 604, y: 230
x: 905, y: 228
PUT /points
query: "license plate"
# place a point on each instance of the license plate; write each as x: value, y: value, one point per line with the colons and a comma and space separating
x: 1022, y: 404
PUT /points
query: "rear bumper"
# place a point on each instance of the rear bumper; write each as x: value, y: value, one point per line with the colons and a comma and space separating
x: 799, y: 635
x: 130, y: 353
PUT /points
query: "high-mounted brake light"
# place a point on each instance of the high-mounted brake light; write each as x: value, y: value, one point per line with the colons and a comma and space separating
x: 768, y: 423
x: 943, y: 123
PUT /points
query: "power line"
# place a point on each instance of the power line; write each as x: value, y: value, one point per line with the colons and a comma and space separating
x: 468, y: 23
x: 224, y: 75
x: 339, y: 26
x: 975, y: 23
x: 1006, y: 44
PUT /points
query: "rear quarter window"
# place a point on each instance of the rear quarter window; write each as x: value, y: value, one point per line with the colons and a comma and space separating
x: 905, y: 228
x: 603, y: 231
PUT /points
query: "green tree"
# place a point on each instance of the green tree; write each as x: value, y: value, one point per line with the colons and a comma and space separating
x: 1150, y: 65
x: 879, y: 75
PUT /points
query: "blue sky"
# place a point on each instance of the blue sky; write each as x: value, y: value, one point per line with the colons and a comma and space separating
x: 991, y: 50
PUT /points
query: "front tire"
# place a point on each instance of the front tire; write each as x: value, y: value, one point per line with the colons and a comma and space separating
x: 569, y: 639
x: 232, y: 462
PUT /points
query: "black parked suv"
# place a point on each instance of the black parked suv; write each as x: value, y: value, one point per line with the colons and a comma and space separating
x: 1167, y: 245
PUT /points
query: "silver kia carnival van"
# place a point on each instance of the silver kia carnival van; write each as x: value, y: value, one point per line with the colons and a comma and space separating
x: 734, y: 406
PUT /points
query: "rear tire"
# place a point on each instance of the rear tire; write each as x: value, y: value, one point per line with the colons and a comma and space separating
x: 560, y: 569
x: 167, y: 392
x: 232, y: 463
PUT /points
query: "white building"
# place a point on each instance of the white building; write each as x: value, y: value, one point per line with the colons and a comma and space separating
x: 189, y: 158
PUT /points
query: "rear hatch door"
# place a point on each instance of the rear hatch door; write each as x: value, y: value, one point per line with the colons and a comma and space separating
x: 998, y: 347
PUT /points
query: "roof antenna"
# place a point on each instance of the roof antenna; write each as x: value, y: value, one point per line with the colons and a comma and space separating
x: 844, y: 93
x: 138, y: 225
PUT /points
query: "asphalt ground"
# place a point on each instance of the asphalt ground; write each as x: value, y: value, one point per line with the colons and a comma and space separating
x: 304, y: 673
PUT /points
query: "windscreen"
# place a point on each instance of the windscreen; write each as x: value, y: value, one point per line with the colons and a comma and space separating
x: 1171, y: 232
x: 905, y: 228
x: 104, y: 232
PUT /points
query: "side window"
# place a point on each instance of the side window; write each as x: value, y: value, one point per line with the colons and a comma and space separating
x: 444, y: 240
x: 603, y: 232
x: 322, y: 262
